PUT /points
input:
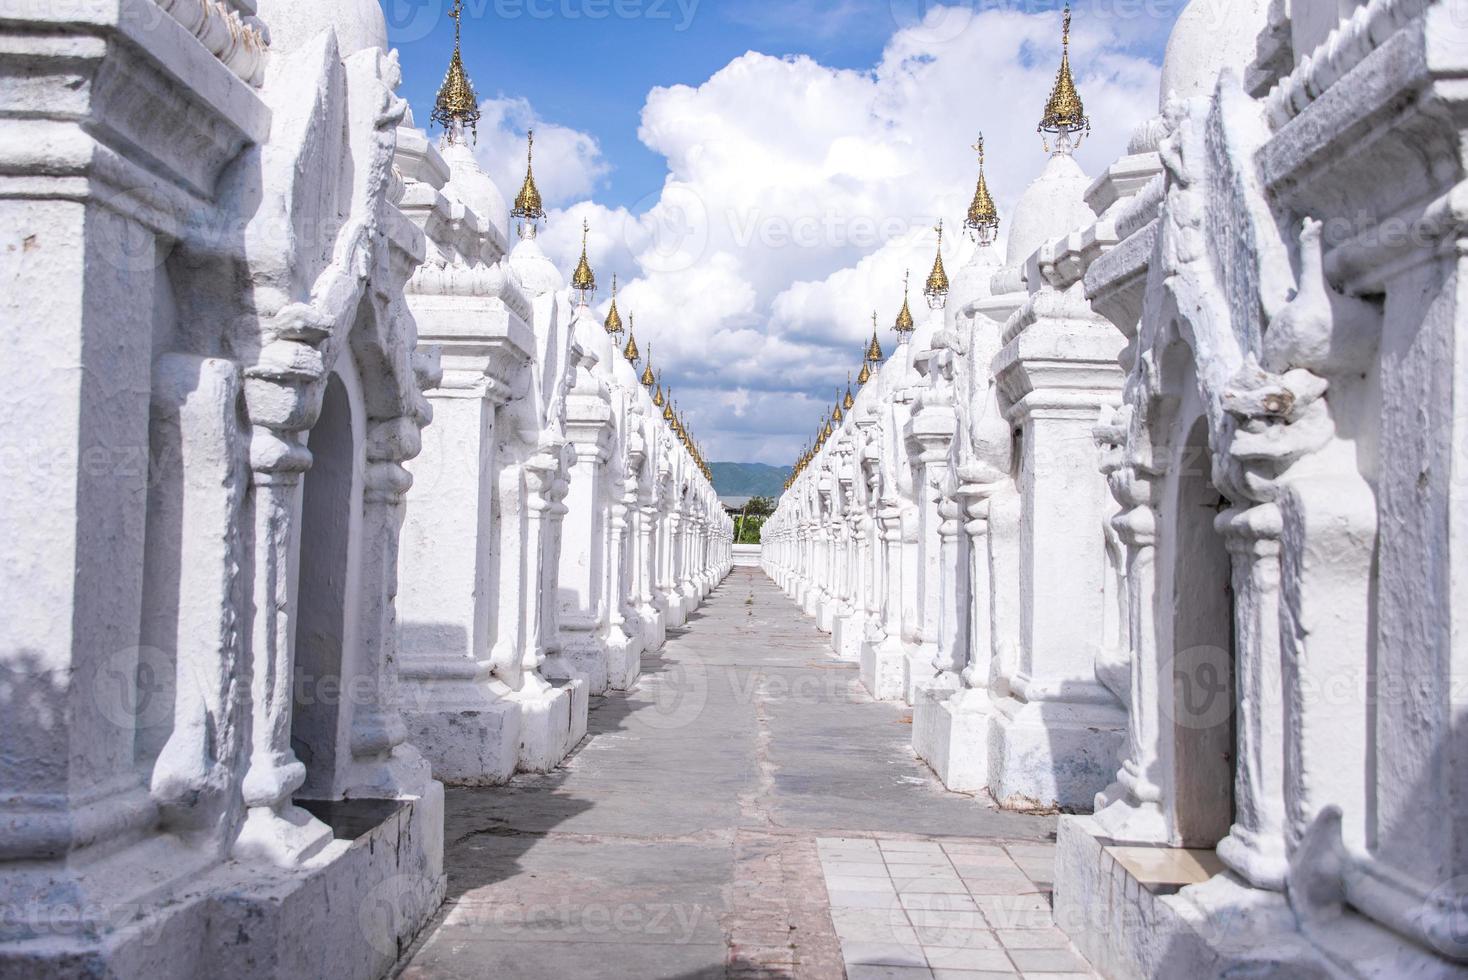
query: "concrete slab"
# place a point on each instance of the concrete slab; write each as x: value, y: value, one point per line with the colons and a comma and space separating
x: 680, y: 839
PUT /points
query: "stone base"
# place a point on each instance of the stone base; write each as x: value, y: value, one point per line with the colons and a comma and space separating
x: 553, y: 723
x: 1156, y: 912
x: 624, y: 664
x: 918, y: 672
x: 581, y: 657
x: 472, y: 746
x: 846, y: 637
x: 826, y: 612
x: 1045, y: 754
x: 883, y: 669
x: 677, y: 613
x: 654, y: 631
x: 349, y: 915
x: 950, y: 733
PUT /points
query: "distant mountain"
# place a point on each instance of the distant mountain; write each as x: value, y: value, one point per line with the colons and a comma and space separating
x: 749, y: 479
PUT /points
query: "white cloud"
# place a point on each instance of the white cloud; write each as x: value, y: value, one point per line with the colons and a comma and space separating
x: 798, y: 193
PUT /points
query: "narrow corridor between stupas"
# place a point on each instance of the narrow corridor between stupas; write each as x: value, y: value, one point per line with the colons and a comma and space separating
x: 746, y: 810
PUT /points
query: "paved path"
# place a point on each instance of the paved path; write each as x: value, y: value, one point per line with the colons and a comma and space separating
x: 748, y: 811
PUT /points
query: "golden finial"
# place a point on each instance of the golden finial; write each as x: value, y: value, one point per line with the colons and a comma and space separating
x: 1064, y: 114
x: 668, y: 408
x: 848, y: 401
x: 936, y: 289
x: 657, y: 398
x: 528, y: 206
x: 584, y: 280
x: 614, y: 319
x: 836, y: 412
x: 983, y: 217
x: 865, y: 374
x: 456, y: 102
x: 904, y: 322
x: 828, y: 430
x: 647, y: 377
x: 874, y: 349
x: 630, y: 351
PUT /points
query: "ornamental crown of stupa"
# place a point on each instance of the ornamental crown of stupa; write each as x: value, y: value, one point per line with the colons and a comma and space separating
x: 630, y: 351
x: 528, y: 205
x: 648, y: 379
x: 1064, y: 111
x: 583, y: 279
x: 982, y: 221
x: 904, y: 322
x: 874, y: 349
x: 613, y: 321
x: 937, y: 284
x: 456, y: 102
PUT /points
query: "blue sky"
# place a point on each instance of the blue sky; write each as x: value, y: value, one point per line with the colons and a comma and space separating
x: 759, y: 113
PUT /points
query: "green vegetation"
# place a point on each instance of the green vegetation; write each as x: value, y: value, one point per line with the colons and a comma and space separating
x: 751, y: 520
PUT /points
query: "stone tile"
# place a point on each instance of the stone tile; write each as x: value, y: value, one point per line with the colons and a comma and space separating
x: 853, y: 869
x: 964, y: 937
x: 882, y: 954
x: 1048, y: 961
x: 950, y: 958
x: 873, y: 926
x: 973, y: 848
x: 882, y: 886
x: 958, y: 920
x: 937, y: 901
x: 1049, y: 938
x: 998, y: 859
x: 931, y: 886
x: 1167, y: 866
x: 863, y: 899
x: 971, y: 975
x: 1015, y: 911
x: 944, y: 870
x: 910, y: 846
x: 1001, y: 885
x: 860, y: 972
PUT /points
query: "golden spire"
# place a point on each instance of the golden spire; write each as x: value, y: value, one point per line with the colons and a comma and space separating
x: 657, y: 398
x: 1064, y: 113
x: 528, y: 206
x: 584, y: 280
x: 874, y: 349
x: 983, y: 217
x: 630, y: 351
x: 865, y: 374
x: 836, y: 412
x: 904, y: 322
x: 647, y: 377
x: 456, y: 102
x: 848, y: 401
x: 668, y: 408
x: 614, y: 319
x: 936, y: 289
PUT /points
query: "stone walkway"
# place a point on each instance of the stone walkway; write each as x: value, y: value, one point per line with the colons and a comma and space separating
x: 748, y: 811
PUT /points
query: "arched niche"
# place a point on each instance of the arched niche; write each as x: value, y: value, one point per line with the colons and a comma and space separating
x: 327, y: 584
x: 1195, y: 631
